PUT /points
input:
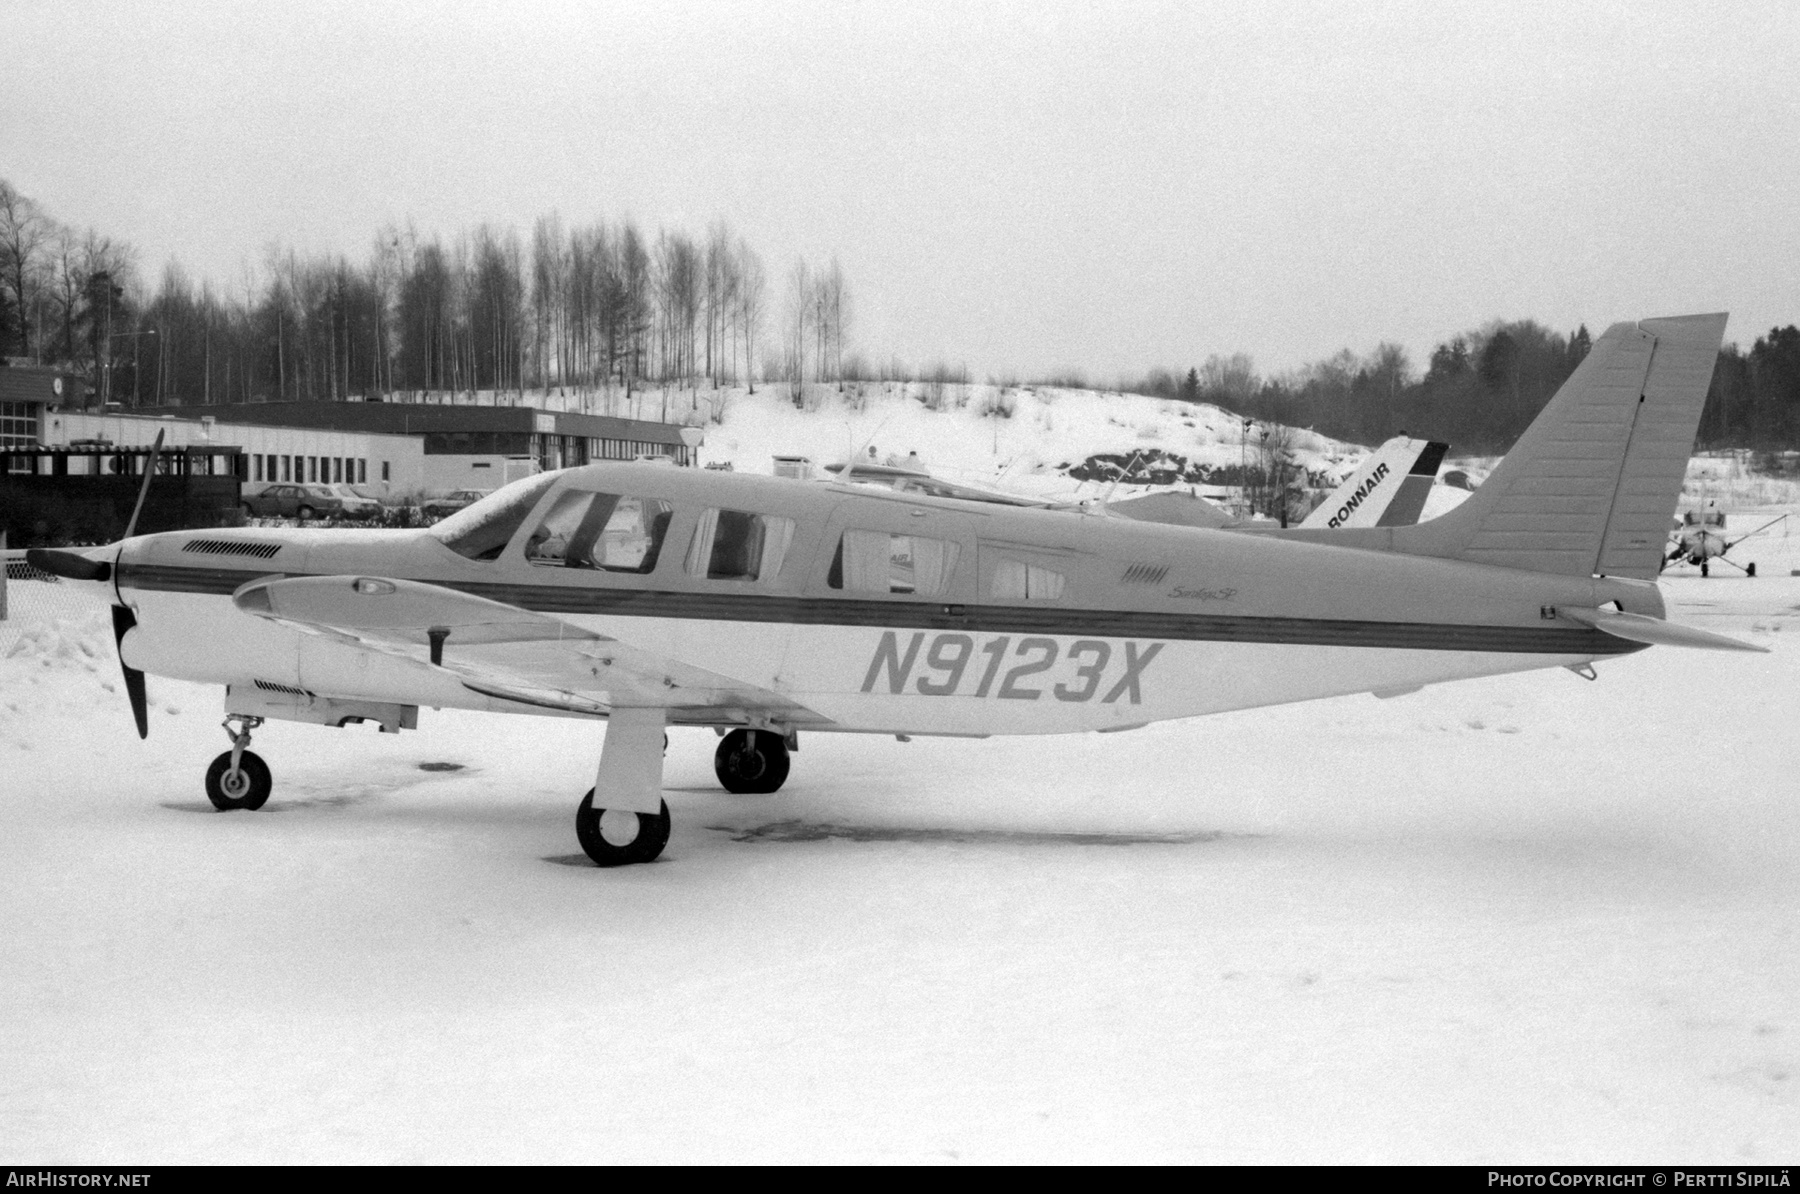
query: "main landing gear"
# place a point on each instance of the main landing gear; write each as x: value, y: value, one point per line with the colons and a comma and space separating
x: 616, y: 836
x: 752, y: 762
x: 632, y: 825
x: 238, y: 778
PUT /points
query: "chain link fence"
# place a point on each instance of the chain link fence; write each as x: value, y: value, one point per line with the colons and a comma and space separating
x: 31, y: 597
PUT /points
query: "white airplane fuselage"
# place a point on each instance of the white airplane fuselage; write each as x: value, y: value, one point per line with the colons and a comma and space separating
x: 1136, y: 623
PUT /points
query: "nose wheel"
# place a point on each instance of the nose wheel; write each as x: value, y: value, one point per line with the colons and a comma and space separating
x: 238, y: 778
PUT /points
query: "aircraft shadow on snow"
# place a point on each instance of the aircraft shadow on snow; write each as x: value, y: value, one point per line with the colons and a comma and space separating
x: 796, y: 831
x: 337, y: 799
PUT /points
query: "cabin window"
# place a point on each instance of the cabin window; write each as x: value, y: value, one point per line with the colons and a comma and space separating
x: 879, y: 562
x: 739, y: 545
x: 482, y: 531
x: 601, y: 530
x: 1018, y: 581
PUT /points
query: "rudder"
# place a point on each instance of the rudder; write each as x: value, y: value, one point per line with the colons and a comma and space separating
x: 1591, y: 485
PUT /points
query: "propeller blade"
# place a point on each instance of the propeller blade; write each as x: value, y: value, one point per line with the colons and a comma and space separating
x: 123, y: 620
x: 144, y: 489
x: 70, y: 565
x: 1639, y: 629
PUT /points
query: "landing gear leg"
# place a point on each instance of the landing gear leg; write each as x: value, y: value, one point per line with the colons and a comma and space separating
x: 623, y: 818
x: 238, y: 778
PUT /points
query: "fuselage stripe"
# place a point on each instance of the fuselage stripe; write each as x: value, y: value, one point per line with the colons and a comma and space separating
x: 999, y: 619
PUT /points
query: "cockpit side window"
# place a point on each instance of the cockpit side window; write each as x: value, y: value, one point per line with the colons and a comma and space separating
x: 739, y: 545
x: 880, y: 562
x: 1015, y: 580
x: 601, y: 530
x: 482, y: 531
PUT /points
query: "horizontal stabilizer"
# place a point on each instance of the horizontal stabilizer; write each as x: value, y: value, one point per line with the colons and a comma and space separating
x: 1655, y: 631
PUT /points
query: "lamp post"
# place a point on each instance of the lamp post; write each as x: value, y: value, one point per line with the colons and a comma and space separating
x: 1244, y: 467
x: 136, y: 369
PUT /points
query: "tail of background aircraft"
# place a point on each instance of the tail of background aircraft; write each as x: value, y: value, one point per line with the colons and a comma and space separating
x: 1389, y: 490
x: 1591, y: 485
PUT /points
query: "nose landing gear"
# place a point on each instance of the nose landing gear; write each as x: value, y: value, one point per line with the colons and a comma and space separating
x: 238, y: 778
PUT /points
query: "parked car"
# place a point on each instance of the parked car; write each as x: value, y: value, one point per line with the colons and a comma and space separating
x: 294, y: 501
x: 450, y: 503
x: 355, y: 504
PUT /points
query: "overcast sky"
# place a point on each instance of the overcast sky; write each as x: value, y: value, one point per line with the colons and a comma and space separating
x: 1021, y: 188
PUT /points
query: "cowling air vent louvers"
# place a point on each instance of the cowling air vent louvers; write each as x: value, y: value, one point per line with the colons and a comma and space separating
x: 231, y: 547
x: 1144, y: 574
x: 289, y: 689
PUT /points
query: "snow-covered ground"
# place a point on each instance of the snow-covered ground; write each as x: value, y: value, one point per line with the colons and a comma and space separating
x: 1528, y: 919
x: 959, y: 431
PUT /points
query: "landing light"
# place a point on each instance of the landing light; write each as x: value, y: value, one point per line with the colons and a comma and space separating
x: 373, y: 587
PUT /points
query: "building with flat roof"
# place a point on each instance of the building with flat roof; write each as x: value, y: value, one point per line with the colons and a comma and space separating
x: 473, y: 447
x: 26, y: 391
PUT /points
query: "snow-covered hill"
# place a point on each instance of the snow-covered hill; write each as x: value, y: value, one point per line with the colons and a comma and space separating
x: 1024, y: 438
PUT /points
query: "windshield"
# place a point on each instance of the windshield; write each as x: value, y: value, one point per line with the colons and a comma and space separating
x: 482, y: 531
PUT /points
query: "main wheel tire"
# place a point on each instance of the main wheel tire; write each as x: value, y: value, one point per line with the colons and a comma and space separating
x: 1703, y: 569
x: 751, y: 762
x: 247, y: 787
x: 1750, y: 569
x: 615, y: 837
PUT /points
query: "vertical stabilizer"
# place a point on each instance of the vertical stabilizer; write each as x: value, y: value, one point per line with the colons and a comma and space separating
x: 1591, y: 485
x: 1389, y: 490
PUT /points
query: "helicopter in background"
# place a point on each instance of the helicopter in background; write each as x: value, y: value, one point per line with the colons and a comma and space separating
x: 1699, y: 538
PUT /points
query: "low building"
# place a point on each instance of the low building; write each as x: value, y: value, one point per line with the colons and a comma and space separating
x: 26, y: 392
x: 382, y: 465
x: 474, y: 447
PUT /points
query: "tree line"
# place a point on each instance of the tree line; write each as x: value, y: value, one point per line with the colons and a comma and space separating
x: 1482, y: 388
x: 595, y: 307
x: 605, y: 307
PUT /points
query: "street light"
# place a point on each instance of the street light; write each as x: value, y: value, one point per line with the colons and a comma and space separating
x: 1244, y: 467
x: 136, y: 371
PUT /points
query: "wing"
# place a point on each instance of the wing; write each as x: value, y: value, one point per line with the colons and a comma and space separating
x: 509, y: 653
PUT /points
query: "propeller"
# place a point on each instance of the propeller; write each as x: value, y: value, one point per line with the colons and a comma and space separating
x: 73, y: 565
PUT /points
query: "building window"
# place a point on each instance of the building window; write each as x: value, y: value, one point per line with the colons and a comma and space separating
x: 259, y: 466
x: 362, y: 471
x: 18, y: 425
x: 312, y: 470
x: 879, y: 562
x: 384, y: 471
x: 738, y: 545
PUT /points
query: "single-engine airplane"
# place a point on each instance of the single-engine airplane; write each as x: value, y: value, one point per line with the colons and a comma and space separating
x: 1388, y: 489
x: 652, y: 596
x: 1699, y: 538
